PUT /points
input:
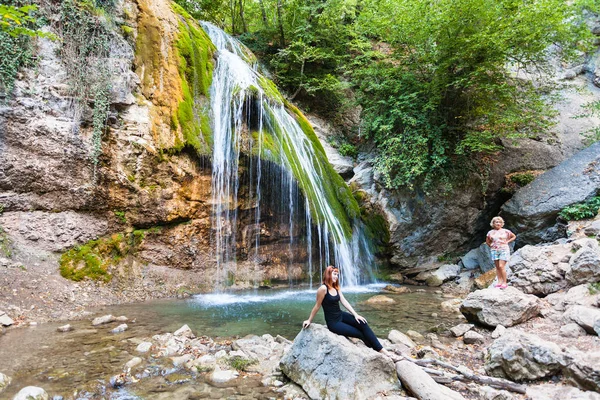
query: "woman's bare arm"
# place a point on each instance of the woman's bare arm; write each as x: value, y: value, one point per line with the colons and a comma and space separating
x: 320, y: 296
x: 349, y: 308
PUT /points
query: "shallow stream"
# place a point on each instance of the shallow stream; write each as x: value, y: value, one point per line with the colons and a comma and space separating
x: 79, y: 364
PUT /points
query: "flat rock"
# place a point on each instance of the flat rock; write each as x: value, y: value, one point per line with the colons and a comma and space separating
x: 396, y: 289
x: 119, y: 329
x: 461, y: 329
x: 519, y: 356
x: 419, y: 383
x: 492, y: 307
x: 329, y: 366
x: 472, y: 337
x: 586, y: 317
x: 414, y: 335
x: 398, y: 337
x: 31, y: 393
x: 103, y: 320
x: 134, y: 362
x: 380, y: 299
x: 571, y: 330
x: 65, y: 328
x: 548, y: 391
x: 222, y: 376
x: 143, y: 347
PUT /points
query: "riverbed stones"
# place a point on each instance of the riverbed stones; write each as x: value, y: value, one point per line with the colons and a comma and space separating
x: 327, y: 365
x: 534, y: 272
x: 222, y: 376
x: 452, y: 305
x: 396, y: 289
x: 105, y: 319
x: 4, y: 381
x: 519, y: 356
x: 31, y: 393
x: 421, y: 384
x: 184, y: 331
x: 472, y: 337
x: 65, y: 328
x: 461, y: 329
x: 380, y: 299
x: 397, y: 337
x: 143, y: 347
x: 583, y: 370
x: 181, y: 360
x: 134, y: 362
x: 5, y: 320
x: 492, y: 307
x: 414, y: 335
x: 586, y: 317
x: 119, y: 329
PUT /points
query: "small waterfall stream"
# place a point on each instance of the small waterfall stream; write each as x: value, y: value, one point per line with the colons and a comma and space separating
x: 250, y: 116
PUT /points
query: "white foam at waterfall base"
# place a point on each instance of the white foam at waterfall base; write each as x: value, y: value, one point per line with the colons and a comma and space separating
x: 225, y: 299
x: 235, y: 82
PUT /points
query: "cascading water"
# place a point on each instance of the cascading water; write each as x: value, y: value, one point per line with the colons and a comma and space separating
x: 247, y: 113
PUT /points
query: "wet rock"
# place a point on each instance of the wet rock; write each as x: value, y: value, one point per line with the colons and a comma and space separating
x: 65, y: 328
x: 499, y: 331
x: 122, y: 318
x: 31, y: 393
x: 414, y: 335
x: 519, y: 356
x: 584, y: 266
x: 327, y: 365
x: 452, y: 305
x: 583, y: 370
x: 119, y: 329
x: 181, y: 360
x: 103, y: 320
x: 380, y: 299
x: 119, y: 380
x: 134, y: 362
x: 5, y: 320
x: 586, y: 317
x: 396, y: 289
x: 484, y: 280
x: 472, y: 337
x: 398, y: 337
x: 222, y: 376
x: 421, y: 384
x: 4, y: 381
x: 439, y: 276
x: 184, y: 331
x: 492, y: 307
x: 143, y: 347
x: 548, y: 391
x: 461, y: 329
x: 534, y: 272
x: 571, y: 330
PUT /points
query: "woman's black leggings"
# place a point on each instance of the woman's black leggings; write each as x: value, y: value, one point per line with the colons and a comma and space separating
x: 350, y: 327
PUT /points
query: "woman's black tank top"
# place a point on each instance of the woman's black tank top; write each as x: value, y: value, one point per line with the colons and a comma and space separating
x: 331, y: 307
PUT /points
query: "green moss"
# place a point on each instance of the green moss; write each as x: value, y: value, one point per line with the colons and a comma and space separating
x: 5, y: 244
x: 194, y: 50
x: 522, y: 178
x: 270, y: 90
x: 241, y: 364
x: 120, y: 216
x: 94, y: 259
x: 128, y: 32
x: 594, y: 288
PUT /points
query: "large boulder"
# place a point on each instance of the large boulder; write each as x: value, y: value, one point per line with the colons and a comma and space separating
x: 583, y: 370
x: 535, y: 270
x: 586, y: 317
x: 519, y: 356
x: 329, y: 366
x: 442, y: 274
x: 584, y: 265
x: 422, y: 385
x: 532, y: 211
x: 492, y: 307
x: 578, y: 295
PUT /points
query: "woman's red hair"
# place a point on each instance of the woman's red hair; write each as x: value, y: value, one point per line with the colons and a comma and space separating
x: 328, y: 280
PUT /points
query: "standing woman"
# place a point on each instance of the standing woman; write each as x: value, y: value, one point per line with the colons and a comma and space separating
x: 346, y: 324
x: 498, y: 240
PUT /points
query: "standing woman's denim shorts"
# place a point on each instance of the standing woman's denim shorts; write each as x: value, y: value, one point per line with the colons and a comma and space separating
x: 501, y: 254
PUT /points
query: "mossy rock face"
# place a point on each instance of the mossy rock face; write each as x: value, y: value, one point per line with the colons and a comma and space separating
x: 94, y: 259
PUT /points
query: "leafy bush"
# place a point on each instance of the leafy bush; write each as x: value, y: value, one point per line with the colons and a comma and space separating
x: 522, y: 178
x: 588, y: 209
x: 348, y: 150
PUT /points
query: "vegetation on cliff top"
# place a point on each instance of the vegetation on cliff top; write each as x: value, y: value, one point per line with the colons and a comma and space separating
x: 439, y: 83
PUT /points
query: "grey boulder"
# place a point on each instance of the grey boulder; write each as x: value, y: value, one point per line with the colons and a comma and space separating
x: 493, y: 307
x: 534, y: 272
x: 584, y: 266
x: 586, y: 317
x: 583, y: 370
x: 31, y: 393
x: 329, y: 366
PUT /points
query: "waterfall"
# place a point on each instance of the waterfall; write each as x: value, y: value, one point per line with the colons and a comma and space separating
x: 248, y: 114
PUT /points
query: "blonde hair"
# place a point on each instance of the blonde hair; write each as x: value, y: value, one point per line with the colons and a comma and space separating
x: 496, y: 219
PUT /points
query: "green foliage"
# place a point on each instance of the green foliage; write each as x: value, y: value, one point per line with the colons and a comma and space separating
x: 587, y: 209
x: 94, y: 259
x: 594, y: 288
x: 17, y: 19
x: 121, y: 216
x: 85, y: 34
x: 348, y: 150
x: 241, y: 364
x: 522, y: 178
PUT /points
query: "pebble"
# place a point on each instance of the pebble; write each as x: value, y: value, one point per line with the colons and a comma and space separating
x: 120, y: 328
x: 65, y: 328
x: 103, y: 320
x: 143, y: 347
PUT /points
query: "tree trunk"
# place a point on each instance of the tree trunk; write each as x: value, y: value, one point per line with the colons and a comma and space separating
x: 243, y: 20
x: 232, y: 10
x: 264, y: 13
x: 280, y: 22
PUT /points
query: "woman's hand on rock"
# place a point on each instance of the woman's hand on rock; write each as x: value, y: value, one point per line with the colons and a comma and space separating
x: 305, y: 324
x: 360, y: 319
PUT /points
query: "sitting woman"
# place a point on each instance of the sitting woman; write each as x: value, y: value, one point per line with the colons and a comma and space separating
x: 341, y: 322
